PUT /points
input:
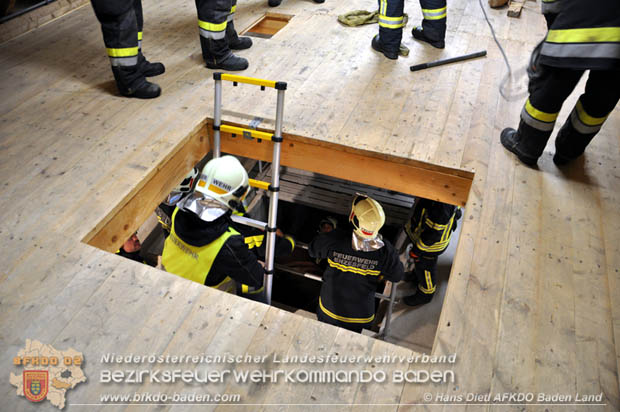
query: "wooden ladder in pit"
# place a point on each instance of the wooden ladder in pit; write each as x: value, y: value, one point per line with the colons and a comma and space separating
x: 273, y: 187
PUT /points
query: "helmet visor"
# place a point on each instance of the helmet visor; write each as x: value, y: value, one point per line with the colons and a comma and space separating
x: 173, y: 198
x: 204, y: 207
x: 366, y: 245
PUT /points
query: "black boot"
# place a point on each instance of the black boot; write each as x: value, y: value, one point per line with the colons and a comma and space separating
x: 149, y: 69
x: 234, y: 41
x: 132, y: 83
x: 274, y: 3
x: 570, y: 144
x: 217, y: 55
x: 419, y: 298
x: 419, y: 34
x: 514, y: 142
x: 378, y: 46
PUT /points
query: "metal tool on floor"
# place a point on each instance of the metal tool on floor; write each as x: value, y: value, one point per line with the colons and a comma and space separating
x: 274, y: 186
x: 423, y: 66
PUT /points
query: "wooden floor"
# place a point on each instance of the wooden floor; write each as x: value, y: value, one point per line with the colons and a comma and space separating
x: 533, y: 299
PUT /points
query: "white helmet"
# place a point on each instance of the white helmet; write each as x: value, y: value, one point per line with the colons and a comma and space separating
x: 187, y: 184
x: 367, y: 217
x: 224, y: 180
x: 183, y: 188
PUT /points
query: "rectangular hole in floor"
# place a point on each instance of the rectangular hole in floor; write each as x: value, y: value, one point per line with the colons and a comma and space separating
x: 311, y: 191
x: 268, y: 25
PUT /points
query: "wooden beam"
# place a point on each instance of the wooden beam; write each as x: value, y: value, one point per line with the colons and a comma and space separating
x: 137, y: 206
x: 362, y: 166
x: 514, y: 9
x: 390, y: 172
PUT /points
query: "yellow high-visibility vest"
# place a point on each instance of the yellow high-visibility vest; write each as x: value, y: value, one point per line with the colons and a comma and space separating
x: 194, y: 262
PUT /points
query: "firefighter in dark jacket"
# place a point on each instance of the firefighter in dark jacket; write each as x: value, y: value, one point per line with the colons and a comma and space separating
x: 582, y: 35
x: 429, y: 230
x: 392, y: 21
x: 131, y: 249
x: 356, y: 261
x: 203, y: 246
x: 218, y: 36
x: 121, y: 24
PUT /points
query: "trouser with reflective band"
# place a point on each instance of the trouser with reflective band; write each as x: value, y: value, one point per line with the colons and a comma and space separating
x: 120, y: 30
x: 233, y: 9
x: 137, y: 6
x: 425, y: 270
x: 212, y: 17
x: 541, y: 110
x: 212, y: 20
x: 391, y: 22
x: 435, y: 15
x: 587, y: 117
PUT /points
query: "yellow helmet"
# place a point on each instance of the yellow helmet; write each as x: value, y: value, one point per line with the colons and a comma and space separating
x: 367, y: 217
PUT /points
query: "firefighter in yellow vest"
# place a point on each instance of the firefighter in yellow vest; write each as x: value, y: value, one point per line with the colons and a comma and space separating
x: 429, y: 230
x: 357, y: 259
x: 203, y: 246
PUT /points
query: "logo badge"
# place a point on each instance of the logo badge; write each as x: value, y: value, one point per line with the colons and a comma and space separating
x: 35, y: 385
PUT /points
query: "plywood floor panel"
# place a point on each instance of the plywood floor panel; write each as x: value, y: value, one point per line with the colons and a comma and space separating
x: 517, y: 311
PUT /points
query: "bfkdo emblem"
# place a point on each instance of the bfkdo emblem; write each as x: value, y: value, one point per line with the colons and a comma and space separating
x: 35, y: 385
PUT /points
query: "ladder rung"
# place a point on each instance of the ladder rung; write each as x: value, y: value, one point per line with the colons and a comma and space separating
x: 259, y: 184
x: 249, y: 80
x: 246, y: 132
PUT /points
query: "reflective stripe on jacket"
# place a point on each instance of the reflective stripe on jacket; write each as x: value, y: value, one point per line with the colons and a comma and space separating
x: 583, y: 35
x: 431, y: 226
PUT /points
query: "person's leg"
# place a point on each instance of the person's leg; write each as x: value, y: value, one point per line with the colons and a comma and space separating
x: 592, y: 109
x: 120, y: 35
x: 433, y: 29
x: 148, y: 69
x: 234, y: 41
x: 425, y: 275
x: 391, y: 22
x: 212, y: 21
x: 540, y: 113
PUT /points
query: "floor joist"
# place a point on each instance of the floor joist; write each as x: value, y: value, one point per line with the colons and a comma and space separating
x: 376, y: 169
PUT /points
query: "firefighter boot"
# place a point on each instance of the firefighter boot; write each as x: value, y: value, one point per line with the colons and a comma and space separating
x: 381, y: 48
x: 418, y: 34
x: 528, y: 150
x: 570, y: 144
x: 149, y: 69
x: 132, y: 83
x: 217, y: 55
x: 425, y: 270
x: 234, y: 41
x: 418, y: 298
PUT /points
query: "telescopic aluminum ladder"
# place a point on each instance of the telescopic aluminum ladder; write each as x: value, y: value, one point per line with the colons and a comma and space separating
x: 273, y: 187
